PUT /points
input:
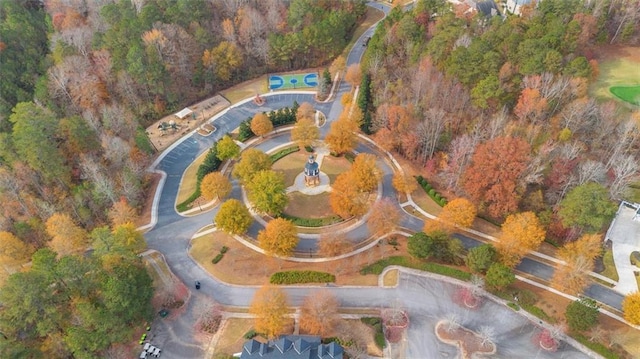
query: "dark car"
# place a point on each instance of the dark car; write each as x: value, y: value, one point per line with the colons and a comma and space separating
x: 197, y: 284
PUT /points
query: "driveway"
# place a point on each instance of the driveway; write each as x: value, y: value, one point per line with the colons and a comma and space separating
x: 625, y: 238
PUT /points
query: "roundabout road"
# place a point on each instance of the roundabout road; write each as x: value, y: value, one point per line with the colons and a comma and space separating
x: 170, y: 233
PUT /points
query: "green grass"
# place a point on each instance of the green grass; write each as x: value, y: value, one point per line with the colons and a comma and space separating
x: 609, y: 267
x: 376, y: 324
x: 538, y: 312
x: 379, y: 266
x: 629, y: 94
x: 596, y: 347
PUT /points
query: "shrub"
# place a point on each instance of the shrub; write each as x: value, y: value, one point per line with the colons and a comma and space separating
x: 217, y: 258
x: 244, y: 130
x: 432, y: 192
x: 295, y: 277
x: 596, y: 347
x: 250, y: 334
x: 308, y: 149
x: 312, y: 222
x: 284, y: 152
x: 224, y: 249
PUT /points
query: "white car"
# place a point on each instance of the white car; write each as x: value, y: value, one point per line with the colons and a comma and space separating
x: 156, y: 353
x: 143, y: 355
x: 146, y: 346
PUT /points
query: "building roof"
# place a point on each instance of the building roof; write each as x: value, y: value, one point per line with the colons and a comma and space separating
x: 487, y: 8
x: 292, y: 347
x: 311, y: 167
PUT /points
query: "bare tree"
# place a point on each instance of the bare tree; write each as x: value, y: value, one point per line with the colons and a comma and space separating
x: 625, y: 170
x: 591, y: 171
x: 487, y: 334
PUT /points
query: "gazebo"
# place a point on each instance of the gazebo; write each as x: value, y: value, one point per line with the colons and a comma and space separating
x: 311, y: 172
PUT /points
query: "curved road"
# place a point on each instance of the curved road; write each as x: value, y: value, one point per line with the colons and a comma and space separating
x: 171, y: 232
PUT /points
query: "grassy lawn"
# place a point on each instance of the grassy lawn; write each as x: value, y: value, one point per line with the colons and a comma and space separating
x: 239, y: 264
x: 609, y: 267
x: 630, y: 94
x: 246, y: 89
x: 333, y: 166
x: 188, y: 182
x: 305, y: 206
x: 291, y: 166
x: 390, y: 278
x: 619, y: 66
x: 232, y: 336
x: 425, y: 202
x: 157, y: 268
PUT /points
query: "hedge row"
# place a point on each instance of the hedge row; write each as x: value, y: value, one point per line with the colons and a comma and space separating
x: 284, y: 152
x: 211, y: 163
x: 379, y: 266
x: 312, y: 222
x: 431, y: 191
x: 220, y: 255
x: 306, y: 276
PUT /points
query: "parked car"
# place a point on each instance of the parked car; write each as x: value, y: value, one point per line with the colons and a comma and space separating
x: 197, y: 284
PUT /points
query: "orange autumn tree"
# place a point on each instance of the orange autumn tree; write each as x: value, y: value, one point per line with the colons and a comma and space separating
x: 341, y: 137
x: 261, y: 124
x: 631, y: 308
x: 319, y: 313
x: 269, y: 305
x: 66, y: 236
x: 279, y: 237
x: 521, y: 233
x: 215, y: 185
x: 459, y: 212
x: 121, y: 212
x: 305, y: 132
x: 579, y: 256
x: 332, y: 244
x: 404, y: 183
x: 13, y: 251
x: 345, y: 199
x: 492, y: 180
x: 365, y: 172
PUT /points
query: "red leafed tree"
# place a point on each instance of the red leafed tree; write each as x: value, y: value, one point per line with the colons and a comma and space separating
x: 492, y: 178
x: 531, y: 105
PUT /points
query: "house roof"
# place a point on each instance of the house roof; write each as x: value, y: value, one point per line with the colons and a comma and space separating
x: 292, y: 347
x: 487, y: 8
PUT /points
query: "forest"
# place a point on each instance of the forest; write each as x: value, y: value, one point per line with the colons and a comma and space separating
x: 80, y: 82
x: 497, y: 109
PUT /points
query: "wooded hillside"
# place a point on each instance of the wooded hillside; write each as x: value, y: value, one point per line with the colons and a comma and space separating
x: 497, y: 110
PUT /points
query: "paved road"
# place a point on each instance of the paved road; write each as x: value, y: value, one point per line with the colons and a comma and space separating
x: 171, y: 233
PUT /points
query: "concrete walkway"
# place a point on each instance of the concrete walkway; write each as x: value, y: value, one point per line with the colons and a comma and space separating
x: 624, y: 234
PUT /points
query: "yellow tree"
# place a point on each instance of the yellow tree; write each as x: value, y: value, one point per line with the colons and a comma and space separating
x: 305, y: 132
x: 579, y: 256
x: 521, y: 233
x: 261, y: 124
x: 13, y: 251
x: 269, y: 305
x: 631, y: 308
x: 353, y: 75
x: 215, y: 185
x: 459, y: 212
x: 224, y: 59
x: 121, y: 212
x: 66, y: 237
x: 279, y: 237
x: 233, y: 217
x: 345, y: 200
x: 127, y: 237
x: 384, y: 217
x: 341, y: 137
x: 305, y: 110
x: 319, y: 313
x: 365, y: 173
x: 251, y: 162
x: 404, y: 183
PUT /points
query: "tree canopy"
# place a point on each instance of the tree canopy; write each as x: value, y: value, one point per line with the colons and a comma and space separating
x: 269, y: 305
x: 521, y: 233
x: 279, y: 237
x: 267, y: 192
x: 233, y: 217
x: 588, y: 207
